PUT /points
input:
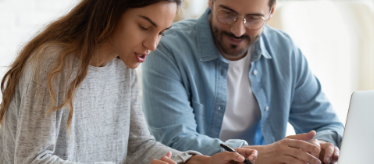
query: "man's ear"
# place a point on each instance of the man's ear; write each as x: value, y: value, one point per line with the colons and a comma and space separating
x: 272, y: 10
x: 210, y: 4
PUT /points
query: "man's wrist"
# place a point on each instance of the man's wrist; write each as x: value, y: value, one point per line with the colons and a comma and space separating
x: 256, y: 147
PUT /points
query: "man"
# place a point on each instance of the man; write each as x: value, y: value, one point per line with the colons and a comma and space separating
x: 227, y: 77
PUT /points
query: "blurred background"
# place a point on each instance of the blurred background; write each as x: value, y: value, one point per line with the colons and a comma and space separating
x: 336, y: 36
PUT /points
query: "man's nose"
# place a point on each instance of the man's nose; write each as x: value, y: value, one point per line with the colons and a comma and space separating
x: 238, y: 28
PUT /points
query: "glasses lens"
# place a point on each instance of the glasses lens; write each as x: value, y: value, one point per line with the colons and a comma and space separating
x: 226, y: 17
x: 254, y: 22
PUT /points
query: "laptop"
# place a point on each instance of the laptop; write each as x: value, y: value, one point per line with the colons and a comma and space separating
x: 358, y: 139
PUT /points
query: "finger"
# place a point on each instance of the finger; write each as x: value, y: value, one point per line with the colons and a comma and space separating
x: 304, y: 136
x: 316, y: 143
x: 233, y: 162
x: 245, y: 151
x: 169, y: 154
x: 329, y: 150
x: 232, y: 156
x: 291, y: 160
x: 335, y: 156
x: 251, y: 154
x: 302, y: 155
x: 155, y: 161
x: 167, y: 160
x: 305, y: 146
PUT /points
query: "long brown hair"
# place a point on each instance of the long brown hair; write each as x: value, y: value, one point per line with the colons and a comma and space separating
x: 79, y: 32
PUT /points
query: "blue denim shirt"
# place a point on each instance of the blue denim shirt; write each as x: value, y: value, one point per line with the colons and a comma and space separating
x: 185, y: 90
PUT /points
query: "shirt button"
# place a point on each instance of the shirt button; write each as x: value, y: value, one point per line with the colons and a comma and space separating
x: 255, y: 72
x: 267, y: 108
x: 219, y: 108
x: 223, y: 72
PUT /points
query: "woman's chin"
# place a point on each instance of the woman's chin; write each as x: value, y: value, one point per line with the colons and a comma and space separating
x: 133, y: 65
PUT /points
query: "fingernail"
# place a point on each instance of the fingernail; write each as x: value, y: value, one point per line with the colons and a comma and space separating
x: 241, y: 158
x: 316, y: 150
x: 328, y: 160
x: 250, y: 158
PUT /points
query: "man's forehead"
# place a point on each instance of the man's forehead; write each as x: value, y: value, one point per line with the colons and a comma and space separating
x: 244, y: 6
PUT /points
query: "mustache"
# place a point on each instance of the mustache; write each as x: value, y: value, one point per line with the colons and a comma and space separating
x: 233, y: 36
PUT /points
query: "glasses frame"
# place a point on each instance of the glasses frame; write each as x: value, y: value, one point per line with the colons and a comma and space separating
x: 244, y: 20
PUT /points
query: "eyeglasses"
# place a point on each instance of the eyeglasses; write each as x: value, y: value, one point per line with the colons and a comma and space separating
x: 252, y: 22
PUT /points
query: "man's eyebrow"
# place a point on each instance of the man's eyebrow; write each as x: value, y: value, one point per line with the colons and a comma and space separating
x: 149, y: 20
x: 228, y: 8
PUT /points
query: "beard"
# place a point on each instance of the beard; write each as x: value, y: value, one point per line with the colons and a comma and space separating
x: 231, y: 49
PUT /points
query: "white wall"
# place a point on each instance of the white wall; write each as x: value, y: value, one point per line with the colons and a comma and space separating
x: 21, y: 19
x: 198, y: 7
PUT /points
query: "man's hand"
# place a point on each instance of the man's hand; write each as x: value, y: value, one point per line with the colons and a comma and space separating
x: 225, y: 157
x: 164, y: 160
x: 329, y: 153
x: 291, y: 150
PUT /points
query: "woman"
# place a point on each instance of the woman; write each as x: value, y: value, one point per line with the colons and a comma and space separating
x: 71, y: 95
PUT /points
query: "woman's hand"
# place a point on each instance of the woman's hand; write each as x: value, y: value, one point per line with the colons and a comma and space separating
x: 234, y: 157
x: 250, y: 154
x: 164, y: 160
x: 225, y: 157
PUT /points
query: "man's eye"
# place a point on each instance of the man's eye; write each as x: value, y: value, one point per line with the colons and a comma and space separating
x: 254, y: 18
x: 229, y: 14
x: 161, y: 34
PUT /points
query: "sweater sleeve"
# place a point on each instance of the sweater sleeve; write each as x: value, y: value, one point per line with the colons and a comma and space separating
x: 36, y: 131
x: 143, y: 147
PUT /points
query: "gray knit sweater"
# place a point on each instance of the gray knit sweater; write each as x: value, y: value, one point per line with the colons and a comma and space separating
x: 108, y: 125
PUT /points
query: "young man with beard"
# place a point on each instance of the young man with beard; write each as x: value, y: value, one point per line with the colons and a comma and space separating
x: 228, y: 77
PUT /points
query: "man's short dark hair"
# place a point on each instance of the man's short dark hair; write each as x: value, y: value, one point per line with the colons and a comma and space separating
x: 271, y: 3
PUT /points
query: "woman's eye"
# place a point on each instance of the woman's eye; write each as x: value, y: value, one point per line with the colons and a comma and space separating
x: 162, y: 34
x: 143, y: 28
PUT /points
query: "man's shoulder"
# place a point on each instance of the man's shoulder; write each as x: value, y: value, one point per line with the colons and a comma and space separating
x: 183, y: 26
x: 278, y: 44
x: 276, y: 35
x: 281, y: 48
x: 181, y: 33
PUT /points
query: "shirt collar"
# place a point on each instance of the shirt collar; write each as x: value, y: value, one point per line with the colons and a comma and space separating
x: 207, y: 48
x: 260, y: 48
x: 209, y: 51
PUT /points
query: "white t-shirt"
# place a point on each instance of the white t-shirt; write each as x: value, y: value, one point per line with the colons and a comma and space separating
x: 242, y: 110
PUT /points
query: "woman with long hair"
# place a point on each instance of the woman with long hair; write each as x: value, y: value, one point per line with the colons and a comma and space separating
x: 71, y: 95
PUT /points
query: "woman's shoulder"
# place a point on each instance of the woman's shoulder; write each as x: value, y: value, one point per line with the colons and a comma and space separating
x: 40, y: 63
